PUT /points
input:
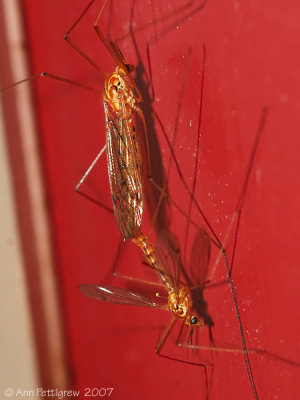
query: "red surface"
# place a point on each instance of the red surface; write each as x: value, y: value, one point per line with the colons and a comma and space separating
x: 252, y: 60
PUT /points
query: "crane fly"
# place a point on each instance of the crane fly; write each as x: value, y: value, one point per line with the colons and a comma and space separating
x: 124, y: 163
x: 121, y: 100
x: 174, y: 278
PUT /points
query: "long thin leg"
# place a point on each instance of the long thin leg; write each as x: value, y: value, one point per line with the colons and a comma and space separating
x: 89, y: 169
x: 161, y: 344
x: 116, y: 55
x: 168, y: 169
x: 168, y: 16
x: 197, y: 150
x: 165, y: 336
x: 190, y: 363
x: 113, y: 49
x: 238, y: 350
x: 19, y: 82
x: 150, y: 79
x: 216, y: 240
x: 51, y: 76
x: 75, y: 45
x: 178, y: 340
x: 68, y: 81
x: 80, y: 17
x: 237, y: 212
x: 133, y: 279
x: 97, y: 202
x: 126, y: 277
x: 182, y: 212
x: 77, y: 187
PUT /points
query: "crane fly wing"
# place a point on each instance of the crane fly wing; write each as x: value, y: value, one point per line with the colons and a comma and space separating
x: 111, y: 294
x: 199, y: 259
x: 124, y: 171
x: 193, y: 273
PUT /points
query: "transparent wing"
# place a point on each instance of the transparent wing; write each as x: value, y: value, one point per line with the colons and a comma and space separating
x: 168, y: 252
x: 198, y: 265
x: 116, y: 295
x: 124, y: 171
x: 196, y: 275
x: 193, y: 273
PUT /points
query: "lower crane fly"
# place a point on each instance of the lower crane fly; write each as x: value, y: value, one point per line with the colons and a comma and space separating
x: 174, y: 278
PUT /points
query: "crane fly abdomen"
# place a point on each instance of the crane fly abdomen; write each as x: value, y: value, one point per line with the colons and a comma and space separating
x: 120, y: 99
x: 124, y: 172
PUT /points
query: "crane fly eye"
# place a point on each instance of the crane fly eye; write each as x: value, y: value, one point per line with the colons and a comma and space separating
x: 194, y: 320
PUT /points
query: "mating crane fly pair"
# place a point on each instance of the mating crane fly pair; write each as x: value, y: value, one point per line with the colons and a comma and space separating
x: 124, y: 167
x: 121, y: 99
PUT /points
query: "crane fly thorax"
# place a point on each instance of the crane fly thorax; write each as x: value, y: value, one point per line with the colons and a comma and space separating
x: 118, y: 92
x: 180, y: 304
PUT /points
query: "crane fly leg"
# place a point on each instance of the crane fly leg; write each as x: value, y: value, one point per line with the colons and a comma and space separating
x: 75, y: 45
x: 85, y: 175
x: 160, y: 346
x: 52, y: 76
x: 238, y: 209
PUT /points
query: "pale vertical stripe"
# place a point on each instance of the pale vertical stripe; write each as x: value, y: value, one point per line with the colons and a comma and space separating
x: 34, y: 184
x: 17, y: 352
